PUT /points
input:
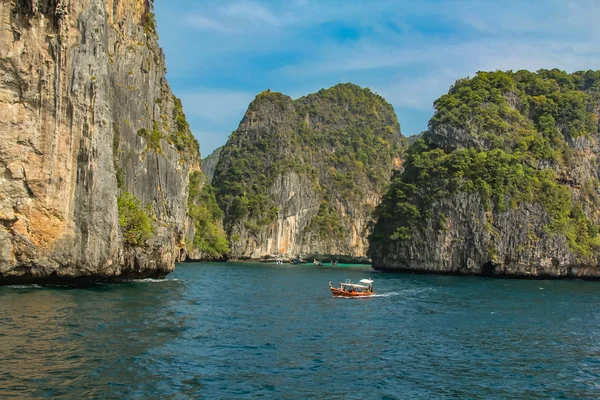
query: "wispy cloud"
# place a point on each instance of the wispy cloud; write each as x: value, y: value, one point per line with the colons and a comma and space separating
x: 410, y: 52
x: 252, y: 12
x: 207, y: 24
x: 239, y: 17
x: 417, y: 93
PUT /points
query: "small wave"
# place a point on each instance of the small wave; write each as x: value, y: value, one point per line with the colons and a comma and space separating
x: 389, y: 294
x: 32, y: 286
x: 419, y: 290
x: 153, y: 280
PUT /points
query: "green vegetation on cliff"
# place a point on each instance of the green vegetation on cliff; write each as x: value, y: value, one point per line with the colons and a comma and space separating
x: 209, y: 236
x: 345, y: 140
x: 149, y: 19
x: 522, y: 111
x: 182, y: 138
x: 152, y: 137
x: 241, y: 188
x: 508, y: 136
x: 327, y: 223
x: 135, y: 220
x: 361, y: 130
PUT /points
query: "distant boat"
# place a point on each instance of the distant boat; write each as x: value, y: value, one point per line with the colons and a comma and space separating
x: 348, y: 289
x: 317, y: 263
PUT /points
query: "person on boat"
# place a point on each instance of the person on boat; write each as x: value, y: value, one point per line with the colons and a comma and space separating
x: 330, y: 285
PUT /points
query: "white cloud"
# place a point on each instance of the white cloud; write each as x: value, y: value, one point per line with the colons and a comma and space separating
x: 240, y: 17
x: 410, y: 55
x: 417, y: 92
x: 207, y: 24
x: 253, y: 13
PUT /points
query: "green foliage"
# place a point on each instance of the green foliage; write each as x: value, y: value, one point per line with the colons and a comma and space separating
x: 242, y: 190
x: 499, y: 177
x: 152, y: 137
x: 538, y: 112
x: 343, y: 139
x: 209, y: 236
x: 526, y: 120
x: 182, y: 139
x: 135, y: 220
x: 149, y: 19
x: 280, y: 100
x: 361, y: 129
x: 327, y: 223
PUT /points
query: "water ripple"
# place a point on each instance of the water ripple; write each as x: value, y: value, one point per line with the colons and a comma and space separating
x: 250, y: 331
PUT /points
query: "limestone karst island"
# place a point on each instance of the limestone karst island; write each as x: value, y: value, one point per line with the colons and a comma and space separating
x: 309, y: 202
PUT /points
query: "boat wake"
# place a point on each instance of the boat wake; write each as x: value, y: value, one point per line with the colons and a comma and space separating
x: 152, y: 280
x: 32, y: 286
x: 389, y: 294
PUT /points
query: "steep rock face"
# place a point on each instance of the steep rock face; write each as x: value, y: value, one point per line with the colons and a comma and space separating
x: 80, y: 85
x: 302, y: 177
x: 206, y: 239
x: 209, y: 164
x: 505, y: 182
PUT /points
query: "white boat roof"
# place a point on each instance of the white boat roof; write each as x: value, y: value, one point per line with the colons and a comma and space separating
x: 367, y: 281
x: 354, y: 285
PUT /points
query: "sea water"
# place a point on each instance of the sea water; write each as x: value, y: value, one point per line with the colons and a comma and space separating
x: 226, y: 331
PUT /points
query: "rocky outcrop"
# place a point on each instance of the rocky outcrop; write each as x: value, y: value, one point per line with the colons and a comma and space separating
x: 86, y: 115
x: 301, y: 178
x: 209, y: 164
x: 504, y: 183
x: 206, y: 239
x: 470, y: 241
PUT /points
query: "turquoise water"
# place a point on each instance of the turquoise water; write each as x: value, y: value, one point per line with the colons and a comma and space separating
x: 220, y: 331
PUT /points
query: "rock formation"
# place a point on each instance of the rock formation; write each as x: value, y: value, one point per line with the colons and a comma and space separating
x: 209, y: 164
x: 302, y: 177
x: 504, y: 182
x: 96, y: 153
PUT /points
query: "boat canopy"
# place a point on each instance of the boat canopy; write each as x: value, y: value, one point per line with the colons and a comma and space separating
x: 354, y: 285
x: 367, y: 281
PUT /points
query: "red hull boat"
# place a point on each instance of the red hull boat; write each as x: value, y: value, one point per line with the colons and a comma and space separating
x: 349, y: 289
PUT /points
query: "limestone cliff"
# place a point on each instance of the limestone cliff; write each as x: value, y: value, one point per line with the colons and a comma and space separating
x: 504, y: 182
x: 87, y: 118
x: 209, y: 164
x: 303, y: 177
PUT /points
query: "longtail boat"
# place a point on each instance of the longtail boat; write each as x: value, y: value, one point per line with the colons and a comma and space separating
x: 348, y: 289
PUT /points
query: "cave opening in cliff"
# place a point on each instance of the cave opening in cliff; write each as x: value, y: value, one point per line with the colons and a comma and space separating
x: 488, y: 269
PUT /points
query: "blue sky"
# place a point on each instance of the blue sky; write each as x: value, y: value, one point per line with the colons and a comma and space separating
x: 220, y: 54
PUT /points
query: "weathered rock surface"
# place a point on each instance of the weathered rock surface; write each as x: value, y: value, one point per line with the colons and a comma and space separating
x: 301, y: 178
x: 473, y: 242
x: 514, y: 195
x: 77, y: 81
x: 209, y: 164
